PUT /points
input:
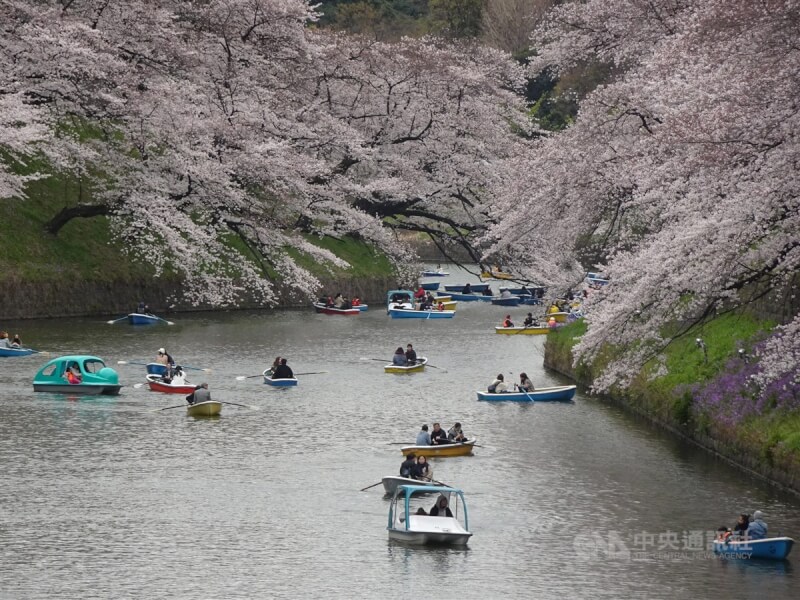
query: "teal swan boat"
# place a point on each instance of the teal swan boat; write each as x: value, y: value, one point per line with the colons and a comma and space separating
x: 95, y: 376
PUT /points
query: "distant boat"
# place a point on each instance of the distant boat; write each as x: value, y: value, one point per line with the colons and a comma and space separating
x: 204, y: 409
x: 286, y: 382
x: 431, y: 287
x: 410, y: 313
x: 561, y: 393
x: 470, y: 297
x: 495, y: 274
x: 537, y: 330
x: 511, y: 301
x: 143, y: 319
x: 331, y: 310
x: 457, y: 449
x: 418, y: 367
x: 407, y: 525
x: 434, y: 274
x: 8, y: 352
x: 392, y: 482
x: 476, y: 287
x: 157, y: 384
x: 770, y: 548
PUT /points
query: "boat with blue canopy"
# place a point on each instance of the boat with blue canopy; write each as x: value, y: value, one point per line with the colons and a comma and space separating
x: 777, y: 548
x: 561, y: 393
x: 410, y: 522
x: 92, y: 376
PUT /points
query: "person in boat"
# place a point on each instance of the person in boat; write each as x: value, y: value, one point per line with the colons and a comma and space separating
x: 467, y: 289
x: 525, y: 384
x: 399, y: 359
x: 200, y: 394
x: 487, y: 292
x: 507, y: 322
x: 356, y: 302
x: 422, y: 470
x: 283, y: 371
x: 411, y: 355
x: 276, y: 363
x: 498, y: 386
x: 329, y: 302
x: 551, y: 323
x: 530, y: 321
x: 423, y: 437
x: 456, y: 434
x: 420, y: 511
x: 438, y: 435
x: 408, y: 465
x: 757, y: 529
x: 440, y: 306
x: 505, y: 293
x: 16, y: 342
x: 742, y: 523
x: 441, y: 509
x: 338, y: 300
x: 140, y: 307
x: 420, y: 294
x: 4, y: 341
x: 73, y: 374
x: 179, y: 377
x: 163, y: 358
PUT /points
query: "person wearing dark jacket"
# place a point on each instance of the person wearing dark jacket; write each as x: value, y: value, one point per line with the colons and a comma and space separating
x: 408, y: 466
x: 440, y: 509
x: 438, y: 435
x: 283, y: 371
x: 411, y: 355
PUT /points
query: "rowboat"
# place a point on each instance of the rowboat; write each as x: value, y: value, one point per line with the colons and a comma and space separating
x: 431, y: 287
x: 330, y: 310
x: 96, y: 377
x: 415, y: 368
x: 204, y: 409
x: 434, y: 274
x: 143, y: 319
x: 560, y: 316
x: 406, y: 524
x: 457, y: 449
x: 410, y: 313
x: 470, y: 297
x: 561, y: 393
x: 362, y: 307
x: 8, y: 352
x: 496, y: 275
x: 287, y: 382
x: 540, y: 330
x: 392, y: 482
x: 771, y: 548
x: 156, y: 369
x: 476, y: 287
x: 524, y: 291
x: 511, y: 301
x: 157, y: 384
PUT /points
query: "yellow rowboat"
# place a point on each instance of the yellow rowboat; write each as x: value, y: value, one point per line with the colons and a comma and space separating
x: 560, y: 317
x: 443, y: 298
x: 449, y: 305
x: 496, y: 275
x: 459, y: 449
x: 522, y: 330
x: 204, y: 409
x: 417, y: 368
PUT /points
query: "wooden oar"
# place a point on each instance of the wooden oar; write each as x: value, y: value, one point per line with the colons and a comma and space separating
x: 243, y: 377
x: 137, y: 385
x: 132, y: 362
x: 165, y: 321
x: 312, y: 373
x: 379, y: 359
x: 117, y: 320
x: 169, y: 407
x: 42, y: 352
x: 237, y: 404
x: 370, y: 486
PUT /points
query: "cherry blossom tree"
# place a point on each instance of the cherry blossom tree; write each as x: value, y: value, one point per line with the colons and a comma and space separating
x: 680, y: 172
x: 205, y: 127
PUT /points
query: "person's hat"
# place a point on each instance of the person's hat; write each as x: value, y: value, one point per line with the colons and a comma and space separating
x: 758, y: 514
x: 162, y: 351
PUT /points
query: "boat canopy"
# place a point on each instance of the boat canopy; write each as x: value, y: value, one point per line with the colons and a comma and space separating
x: 403, y: 494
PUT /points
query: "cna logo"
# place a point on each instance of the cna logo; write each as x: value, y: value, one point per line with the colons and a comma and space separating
x: 595, y: 545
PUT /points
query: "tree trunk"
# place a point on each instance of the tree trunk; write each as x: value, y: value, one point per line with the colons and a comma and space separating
x: 68, y: 213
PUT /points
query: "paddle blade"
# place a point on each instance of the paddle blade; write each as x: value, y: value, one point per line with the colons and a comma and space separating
x: 170, y: 323
x: 122, y: 362
x: 137, y: 385
x: 241, y: 378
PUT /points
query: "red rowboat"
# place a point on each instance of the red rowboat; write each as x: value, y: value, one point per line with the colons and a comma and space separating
x: 157, y: 385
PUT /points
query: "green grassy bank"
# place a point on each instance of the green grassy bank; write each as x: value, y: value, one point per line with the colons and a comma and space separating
x: 764, y: 439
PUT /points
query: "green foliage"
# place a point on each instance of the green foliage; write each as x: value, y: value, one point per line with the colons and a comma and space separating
x: 456, y: 18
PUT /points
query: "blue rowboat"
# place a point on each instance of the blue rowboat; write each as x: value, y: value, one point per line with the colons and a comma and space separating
x: 141, y: 319
x: 470, y: 297
x: 288, y: 382
x: 410, y: 313
x: 770, y: 548
x: 476, y: 287
x: 431, y: 287
x: 96, y: 377
x: 524, y: 291
x: 156, y: 369
x: 362, y: 307
x: 513, y: 301
x: 434, y: 274
x: 562, y: 393
x: 17, y: 351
